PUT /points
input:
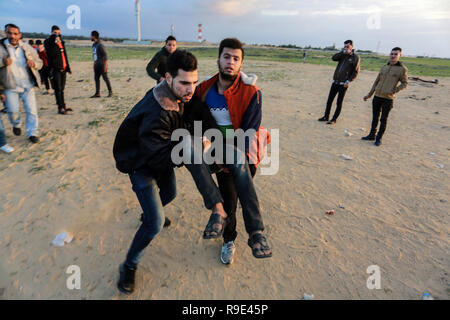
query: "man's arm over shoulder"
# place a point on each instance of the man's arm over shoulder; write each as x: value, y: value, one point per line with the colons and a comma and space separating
x: 337, y: 56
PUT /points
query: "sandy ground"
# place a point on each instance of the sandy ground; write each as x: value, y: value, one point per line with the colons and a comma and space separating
x: 396, y: 198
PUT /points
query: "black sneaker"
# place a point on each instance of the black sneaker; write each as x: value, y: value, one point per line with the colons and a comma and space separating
x: 34, y: 139
x: 110, y: 94
x: 126, y: 279
x: 96, y: 96
x: 378, y: 142
x: 323, y: 119
x: 331, y: 122
x: 62, y: 111
x: 369, y: 137
x: 17, y: 131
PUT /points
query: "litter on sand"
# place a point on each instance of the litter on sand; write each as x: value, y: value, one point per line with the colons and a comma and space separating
x: 308, y: 297
x: 330, y: 212
x: 441, y: 165
x: 348, y: 133
x: 62, y: 238
x: 346, y: 157
x: 341, y: 206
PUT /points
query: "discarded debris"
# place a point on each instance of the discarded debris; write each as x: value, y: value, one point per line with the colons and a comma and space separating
x: 307, y: 296
x: 62, y: 238
x: 441, y: 165
x: 346, y: 157
x: 129, y: 79
x: 348, y: 133
x: 330, y: 212
x: 436, y: 81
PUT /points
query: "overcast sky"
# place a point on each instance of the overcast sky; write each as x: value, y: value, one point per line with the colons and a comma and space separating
x: 420, y: 27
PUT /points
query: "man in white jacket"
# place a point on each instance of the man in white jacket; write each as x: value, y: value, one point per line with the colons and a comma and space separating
x: 19, y: 64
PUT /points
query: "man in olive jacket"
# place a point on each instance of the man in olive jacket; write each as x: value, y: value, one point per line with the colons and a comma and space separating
x: 157, y: 67
x: 385, y: 87
x: 346, y: 71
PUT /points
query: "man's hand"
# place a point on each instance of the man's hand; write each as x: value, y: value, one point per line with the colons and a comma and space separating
x: 206, y: 144
x: 31, y: 64
x: 346, y: 85
x: 70, y: 72
x: 2, y: 97
x: 7, y: 61
x: 366, y: 98
x: 161, y: 79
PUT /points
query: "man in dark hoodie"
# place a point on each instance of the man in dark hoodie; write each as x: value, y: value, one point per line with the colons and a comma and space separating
x: 143, y: 149
x: 157, y: 67
x: 59, y: 65
x: 346, y: 71
x: 100, y: 64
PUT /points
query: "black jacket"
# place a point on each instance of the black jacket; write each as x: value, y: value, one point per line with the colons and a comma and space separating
x: 54, y: 54
x: 157, y: 67
x: 144, y: 137
x: 347, y: 68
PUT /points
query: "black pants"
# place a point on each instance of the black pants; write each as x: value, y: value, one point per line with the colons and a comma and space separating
x: 334, y: 90
x: 44, y: 73
x: 383, y: 106
x: 59, y: 83
x: 230, y: 197
x: 99, y: 70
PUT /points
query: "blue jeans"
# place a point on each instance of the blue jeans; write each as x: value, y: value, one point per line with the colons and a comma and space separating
x: 29, y: 103
x: 146, y: 184
x: 2, y: 133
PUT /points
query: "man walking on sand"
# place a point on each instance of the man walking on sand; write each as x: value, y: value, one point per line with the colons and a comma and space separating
x: 19, y: 64
x: 100, y: 64
x: 143, y: 149
x: 346, y: 71
x: 59, y: 66
x: 385, y: 88
x: 235, y: 102
x: 157, y: 67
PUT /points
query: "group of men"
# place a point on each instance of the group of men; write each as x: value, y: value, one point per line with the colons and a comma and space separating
x: 385, y: 87
x: 19, y: 66
x: 144, y: 146
x: 143, y: 149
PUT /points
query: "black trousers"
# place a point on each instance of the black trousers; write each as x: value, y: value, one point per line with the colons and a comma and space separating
x: 99, y: 71
x: 44, y: 73
x: 383, y: 106
x: 334, y: 90
x: 230, y: 198
x: 59, y: 83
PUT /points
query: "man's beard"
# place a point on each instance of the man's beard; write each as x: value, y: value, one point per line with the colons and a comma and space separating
x: 226, y: 76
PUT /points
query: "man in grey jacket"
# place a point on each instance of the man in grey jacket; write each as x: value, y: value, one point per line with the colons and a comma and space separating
x: 100, y: 64
x: 346, y: 71
x: 19, y: 64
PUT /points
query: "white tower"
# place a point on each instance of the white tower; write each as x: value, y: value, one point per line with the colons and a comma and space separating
x: 138, y: 15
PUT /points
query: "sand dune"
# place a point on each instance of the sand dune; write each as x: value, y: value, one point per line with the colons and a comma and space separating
x: 396, y: 198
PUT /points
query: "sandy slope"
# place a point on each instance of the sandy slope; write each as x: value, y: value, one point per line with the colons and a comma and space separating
x: 396, y: 199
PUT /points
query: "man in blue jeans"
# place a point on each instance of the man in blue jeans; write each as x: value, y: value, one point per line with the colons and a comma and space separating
x: 3, y: 145
x: 19, y: 64
x: 143, y: 149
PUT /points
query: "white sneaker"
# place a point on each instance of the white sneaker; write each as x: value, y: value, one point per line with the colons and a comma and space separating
x: 227, y: 254
x: 7, y: 149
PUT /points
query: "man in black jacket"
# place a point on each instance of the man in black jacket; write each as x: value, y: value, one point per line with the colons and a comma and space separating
x: 157, y: 67
x: 58, y: 63
x: 346, y: 71
x: 100, y: 64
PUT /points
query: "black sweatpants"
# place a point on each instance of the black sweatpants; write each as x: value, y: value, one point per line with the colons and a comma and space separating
x: 44, y: 73
x: 99, y: 71
x: 59, y: 83
x: 334, y: 90
x: 230, y: 198
x: 383, y: 106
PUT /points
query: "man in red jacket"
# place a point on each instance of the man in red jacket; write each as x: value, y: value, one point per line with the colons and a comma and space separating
x: 235, y: 103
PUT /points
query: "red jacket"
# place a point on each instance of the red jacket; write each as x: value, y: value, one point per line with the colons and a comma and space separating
x: 240, y: 98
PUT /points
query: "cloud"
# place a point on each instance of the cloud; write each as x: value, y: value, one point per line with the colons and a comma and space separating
x: 280, y: 12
